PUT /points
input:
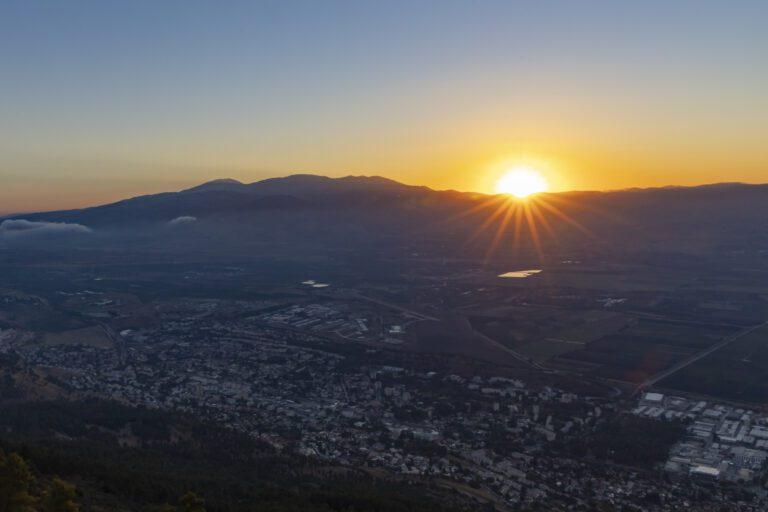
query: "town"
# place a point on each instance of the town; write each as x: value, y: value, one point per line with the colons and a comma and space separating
x: 270, y: 371
x: 722, y: 441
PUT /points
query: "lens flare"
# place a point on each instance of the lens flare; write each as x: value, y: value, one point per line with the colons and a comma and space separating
x: 521, y: 182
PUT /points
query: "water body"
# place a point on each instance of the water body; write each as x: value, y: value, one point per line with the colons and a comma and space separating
x: 315, y: 284
x: 520, y: 274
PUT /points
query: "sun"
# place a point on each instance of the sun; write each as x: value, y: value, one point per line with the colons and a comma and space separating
x: 521, y: 182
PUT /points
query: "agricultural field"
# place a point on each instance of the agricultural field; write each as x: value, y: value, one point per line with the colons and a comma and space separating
x: 91, y: 336
x: 456, y: 337
x: 517, y: 326
x: 730, y: 306
x: 643, y: 348
x: 738, y: 371
x: 593, y: 326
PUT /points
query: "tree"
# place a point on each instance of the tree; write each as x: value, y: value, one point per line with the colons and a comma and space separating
x: 60, y: 497
x: 191, y: 502
x: 15, y: 482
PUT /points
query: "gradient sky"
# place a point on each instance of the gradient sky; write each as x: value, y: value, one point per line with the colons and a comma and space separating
x: 100, y: 100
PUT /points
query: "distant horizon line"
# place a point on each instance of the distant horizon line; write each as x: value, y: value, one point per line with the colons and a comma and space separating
x: 568, y: 191
x: 4, y: 214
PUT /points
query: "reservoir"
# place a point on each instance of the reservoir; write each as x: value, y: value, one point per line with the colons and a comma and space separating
x: 315, y: 284
x: 520, y: 274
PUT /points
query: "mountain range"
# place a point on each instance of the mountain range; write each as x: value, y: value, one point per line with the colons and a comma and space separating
x: 309, y: 210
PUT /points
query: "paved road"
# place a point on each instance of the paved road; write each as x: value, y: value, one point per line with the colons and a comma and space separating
x: 517, y: 355
x: 687, y: 362
x: 116, y: 339
x: 411, y: 312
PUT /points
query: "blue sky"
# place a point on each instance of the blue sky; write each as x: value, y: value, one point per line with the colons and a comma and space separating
x: 102, y: 99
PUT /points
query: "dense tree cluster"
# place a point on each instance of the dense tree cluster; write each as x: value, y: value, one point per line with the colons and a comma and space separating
x: 231, y: 471
x: 20, y: 490
x: 629, y: 440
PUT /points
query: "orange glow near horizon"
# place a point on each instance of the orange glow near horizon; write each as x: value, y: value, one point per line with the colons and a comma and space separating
x: 482, y: 169
x: 597, y: 97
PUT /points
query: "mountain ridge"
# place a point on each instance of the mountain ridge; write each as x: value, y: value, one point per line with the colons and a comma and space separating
x: 330, y: 212
x: 304, y: 185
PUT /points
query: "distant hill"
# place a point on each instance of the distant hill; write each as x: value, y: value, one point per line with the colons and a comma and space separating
x: 305, y: 185
x: 304, y: 210
x: 226, y: 184
x: 229, y: 196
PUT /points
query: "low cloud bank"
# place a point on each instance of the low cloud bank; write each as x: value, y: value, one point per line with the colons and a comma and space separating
x: 184, y: 219
x: 21, y: 227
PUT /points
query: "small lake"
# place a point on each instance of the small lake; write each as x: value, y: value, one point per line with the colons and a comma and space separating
x: 520, y: 274
x: 315, y: 284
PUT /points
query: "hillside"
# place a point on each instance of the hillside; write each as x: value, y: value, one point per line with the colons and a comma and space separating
x: 136, y: 460
x: 313, y: 213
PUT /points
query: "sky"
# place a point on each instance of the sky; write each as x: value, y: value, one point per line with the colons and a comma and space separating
x: 101, y: 100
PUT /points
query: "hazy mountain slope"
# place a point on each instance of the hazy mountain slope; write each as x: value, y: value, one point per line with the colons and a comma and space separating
x: 303, y: 211
x: 225, y: 185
